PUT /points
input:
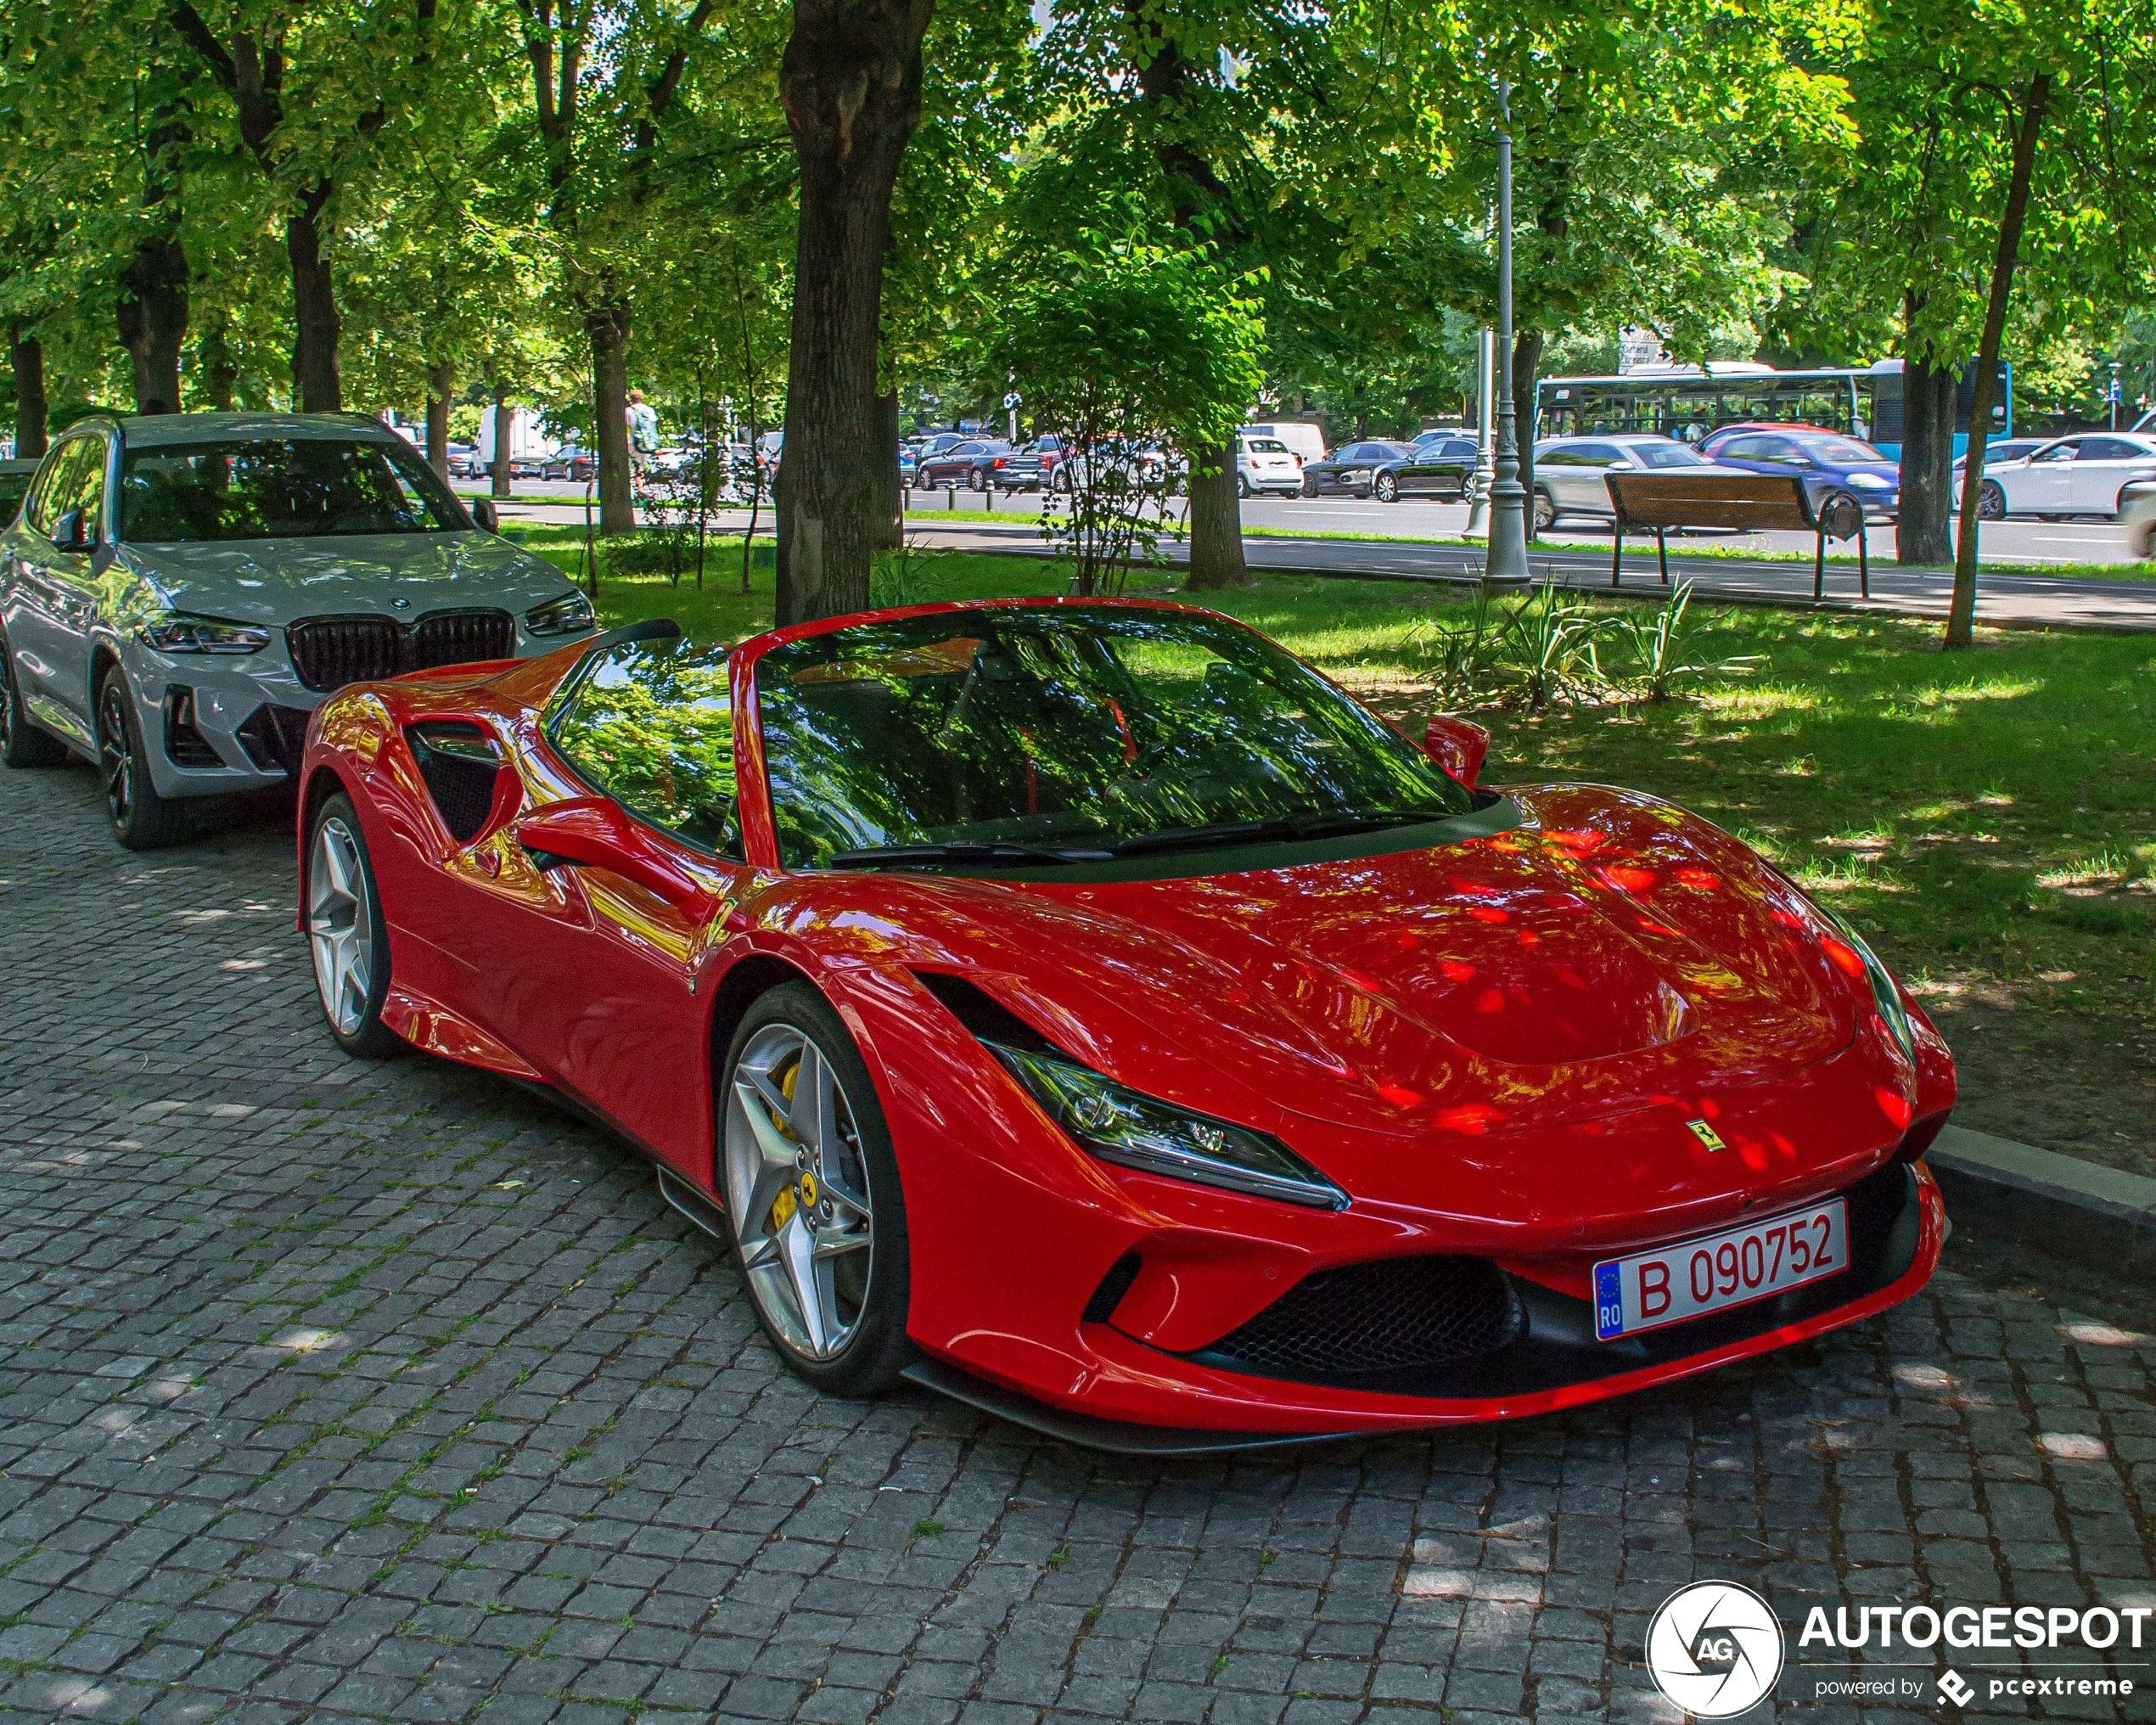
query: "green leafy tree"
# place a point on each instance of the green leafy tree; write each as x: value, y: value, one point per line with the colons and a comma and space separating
x: 1130, y: 347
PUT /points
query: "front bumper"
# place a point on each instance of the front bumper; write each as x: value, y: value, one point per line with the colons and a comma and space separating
x: 1133, y: 1397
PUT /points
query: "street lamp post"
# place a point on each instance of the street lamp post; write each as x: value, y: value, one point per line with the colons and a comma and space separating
x: 1485, y: 473
x: 1507, y: 559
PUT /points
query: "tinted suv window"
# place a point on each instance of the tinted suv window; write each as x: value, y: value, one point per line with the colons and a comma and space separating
x: 651, y: 725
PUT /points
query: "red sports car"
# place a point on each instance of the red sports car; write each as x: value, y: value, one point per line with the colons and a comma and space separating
x: 1089, y: 1010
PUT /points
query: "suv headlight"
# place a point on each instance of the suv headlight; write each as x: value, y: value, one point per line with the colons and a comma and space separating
x: 1120, y: 1125
x: 565, y: 615
x: 178, y: 632
x: 1884, y: 995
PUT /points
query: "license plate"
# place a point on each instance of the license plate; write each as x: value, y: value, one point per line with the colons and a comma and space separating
x: 1695, y: 1277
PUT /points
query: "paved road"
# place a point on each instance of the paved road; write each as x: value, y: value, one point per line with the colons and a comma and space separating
x: 2064, y: 599
x: 332, y: 1389
x: 2019, y: 543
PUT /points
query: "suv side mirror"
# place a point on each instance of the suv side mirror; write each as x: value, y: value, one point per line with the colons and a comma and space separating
x: 485, y: 516
x: 1458, y: 745
x: 71, y: 532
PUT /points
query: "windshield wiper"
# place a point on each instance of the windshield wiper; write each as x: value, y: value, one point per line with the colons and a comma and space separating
x: 1313, y: 823
x: 959, y: 850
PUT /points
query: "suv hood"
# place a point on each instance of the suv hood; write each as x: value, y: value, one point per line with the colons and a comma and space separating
x: 276, y: 582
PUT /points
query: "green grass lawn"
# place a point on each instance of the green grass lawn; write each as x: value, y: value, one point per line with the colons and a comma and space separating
x: 1988, y: 817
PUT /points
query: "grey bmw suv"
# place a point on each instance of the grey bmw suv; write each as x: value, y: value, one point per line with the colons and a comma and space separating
x: 178, y: 593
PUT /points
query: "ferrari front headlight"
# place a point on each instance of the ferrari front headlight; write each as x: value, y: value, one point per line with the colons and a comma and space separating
x: 1120, y: 1125
x: 1884, y: 994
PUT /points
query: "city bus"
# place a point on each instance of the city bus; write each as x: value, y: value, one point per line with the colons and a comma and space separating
x: 1688, y: 402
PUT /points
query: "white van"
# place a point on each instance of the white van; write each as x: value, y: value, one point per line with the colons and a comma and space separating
x: 1304, y: 440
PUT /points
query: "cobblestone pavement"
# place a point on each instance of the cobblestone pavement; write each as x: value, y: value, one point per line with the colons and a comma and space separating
x: 335, y: 1389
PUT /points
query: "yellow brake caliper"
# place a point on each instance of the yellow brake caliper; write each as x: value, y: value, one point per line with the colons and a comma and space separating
x: 784, y: 1206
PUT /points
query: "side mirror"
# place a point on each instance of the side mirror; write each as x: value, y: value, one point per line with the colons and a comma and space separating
x: 1458, y: 745
x: 486, y: 516
x: 71, y: 532
x: 594, y: 832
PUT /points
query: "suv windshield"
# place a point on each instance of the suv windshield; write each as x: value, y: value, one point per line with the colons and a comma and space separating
x: 279, y: 488
x: 1081, y: 726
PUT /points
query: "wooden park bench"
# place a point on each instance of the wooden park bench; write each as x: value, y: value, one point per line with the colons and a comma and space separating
x: 1751, y: 503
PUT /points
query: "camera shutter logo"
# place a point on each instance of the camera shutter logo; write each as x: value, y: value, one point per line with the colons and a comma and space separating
x: 1714, y: 1650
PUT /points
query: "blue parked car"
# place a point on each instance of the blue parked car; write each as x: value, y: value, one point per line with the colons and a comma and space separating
x: 1829, y: 464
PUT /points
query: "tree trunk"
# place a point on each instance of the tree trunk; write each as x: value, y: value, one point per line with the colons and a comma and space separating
x: 1921, y: 534
x: 1216, y: 522
x: 442, y: 378
x: 214, y: 362
x: 891, y: 525
x: 504, y: 425
x: 1961, y: 618
x: 152, y: 318
x: 1527, y: 363
x: 28, y: 355
x: 316, y: 326
x: 851, y: 84
x: 608, y: 327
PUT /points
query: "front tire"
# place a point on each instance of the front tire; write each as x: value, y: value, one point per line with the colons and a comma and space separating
x: 142, y: 820
x: 1990, y: 502
x: 21, y: 743
x: 1387, y: 488
x: 347, y: 934
x: 812, y: 1191
x: 1545, y: 510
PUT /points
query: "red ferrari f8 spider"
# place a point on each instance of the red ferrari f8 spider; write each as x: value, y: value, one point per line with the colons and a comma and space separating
x: 1090, y: 1011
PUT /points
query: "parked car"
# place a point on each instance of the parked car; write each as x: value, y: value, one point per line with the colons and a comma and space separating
x: 969, y: 465
x: 1569, y: 471
x: 2084, y: 475
x: 1304, y: 440
x: 1093, y: 1014
x: 572, y: 461
x: 1139, y: 466
x: 179, y: 593
x: 14, y: 481
x: 1263, y: 465
x: 1391, y: 471
x: 1830, y: 464
x: 1033, y: 466
x: 936, y: 443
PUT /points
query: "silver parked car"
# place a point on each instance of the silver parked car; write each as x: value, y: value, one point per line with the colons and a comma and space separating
x: 1569, y: 471
x: 178, y: 593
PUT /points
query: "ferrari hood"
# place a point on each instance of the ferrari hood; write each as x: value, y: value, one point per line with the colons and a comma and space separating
x: 276, y: 581
x: 1609, y: 953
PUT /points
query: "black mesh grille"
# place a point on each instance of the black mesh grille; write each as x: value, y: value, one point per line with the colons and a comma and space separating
x: 329, y: 652
x: 275, y: 736
x: 1377, y: 1318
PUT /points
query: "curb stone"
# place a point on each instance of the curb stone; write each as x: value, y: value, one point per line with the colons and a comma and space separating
x: 2104, y: 1217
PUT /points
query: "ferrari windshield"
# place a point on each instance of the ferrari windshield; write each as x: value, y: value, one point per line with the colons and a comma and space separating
x: 1027, y: 732
x: 279, y: 488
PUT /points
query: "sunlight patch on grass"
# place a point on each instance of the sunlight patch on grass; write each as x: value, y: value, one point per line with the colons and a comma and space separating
x: 2100, y: 869
x: 1761, y: 701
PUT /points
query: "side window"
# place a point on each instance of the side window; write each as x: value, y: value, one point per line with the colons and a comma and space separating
x: 2058, y: 452
x: 652, y: 726
x: 54, y: 484
x: 2108, y: 449
x: 1744, y: 449
x: 88, y: 485
x: 1600, y: 454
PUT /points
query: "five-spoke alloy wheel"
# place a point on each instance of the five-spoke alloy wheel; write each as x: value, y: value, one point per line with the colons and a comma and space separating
x: 142, y: 820
x: 347, y: 934
x: 812, y: 1190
